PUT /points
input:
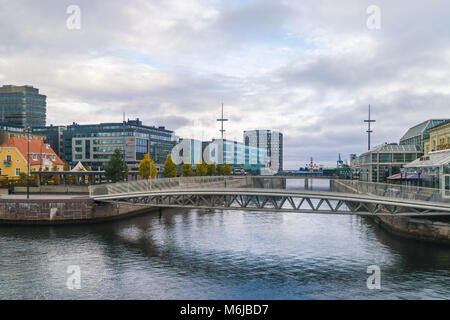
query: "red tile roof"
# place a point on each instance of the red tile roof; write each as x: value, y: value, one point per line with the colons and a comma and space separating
x: 36, y: 146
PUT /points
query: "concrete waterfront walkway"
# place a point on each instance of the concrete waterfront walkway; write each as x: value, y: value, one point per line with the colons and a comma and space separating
x: 34, y: 196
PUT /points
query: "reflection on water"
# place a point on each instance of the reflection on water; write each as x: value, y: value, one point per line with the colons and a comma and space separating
x: 220, y: 255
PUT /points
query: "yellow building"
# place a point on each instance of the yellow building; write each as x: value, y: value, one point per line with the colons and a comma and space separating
x: 438, y: 138
x: 13, y: 157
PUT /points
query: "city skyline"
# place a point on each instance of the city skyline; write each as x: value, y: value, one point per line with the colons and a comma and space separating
x: 299, y: 69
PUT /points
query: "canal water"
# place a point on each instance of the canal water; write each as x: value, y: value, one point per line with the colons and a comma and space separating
x: 190, y: 254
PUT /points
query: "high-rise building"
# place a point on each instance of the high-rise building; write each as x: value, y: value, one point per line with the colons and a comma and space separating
x: 270, y: 140
x: 22, y: 106
x: 93, y: 144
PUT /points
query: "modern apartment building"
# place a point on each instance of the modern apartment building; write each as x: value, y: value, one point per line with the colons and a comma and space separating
x: 22, y: 106
x: 93, y: 144
x: 272, y: 142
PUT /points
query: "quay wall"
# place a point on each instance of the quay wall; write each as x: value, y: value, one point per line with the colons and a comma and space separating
x: 409, y: 227
x: 50, y: 189
x: 57, y: 211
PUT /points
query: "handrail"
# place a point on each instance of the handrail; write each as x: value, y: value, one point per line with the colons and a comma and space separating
x: 397, y: 191
x: 157, y: 184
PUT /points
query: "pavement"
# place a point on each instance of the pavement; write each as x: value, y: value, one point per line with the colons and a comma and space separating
x: 44, y: 196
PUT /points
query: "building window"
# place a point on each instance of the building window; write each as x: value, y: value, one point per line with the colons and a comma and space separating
x: 409, y: 157
x: 399, y: 157
x: 17, y: 172
x: 385, y: 157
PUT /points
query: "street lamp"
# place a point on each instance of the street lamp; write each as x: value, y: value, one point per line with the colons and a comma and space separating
x: 28, y: 163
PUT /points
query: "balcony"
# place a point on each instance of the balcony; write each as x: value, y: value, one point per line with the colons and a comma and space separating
x: 7, y: 162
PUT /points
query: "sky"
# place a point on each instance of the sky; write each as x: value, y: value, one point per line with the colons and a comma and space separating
x: 307, y: 68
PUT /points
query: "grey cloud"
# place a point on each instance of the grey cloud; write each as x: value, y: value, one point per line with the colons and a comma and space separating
x: 173, y: 64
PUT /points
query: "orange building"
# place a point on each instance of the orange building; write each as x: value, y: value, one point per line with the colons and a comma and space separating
x: 14, y: 160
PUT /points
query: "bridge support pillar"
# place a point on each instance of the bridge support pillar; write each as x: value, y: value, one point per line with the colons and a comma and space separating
x: 306, y: 183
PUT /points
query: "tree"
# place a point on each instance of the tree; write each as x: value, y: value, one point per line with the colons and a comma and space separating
x: 70, y: 179
x: 186, y: 170
x: 211, y: 169
x: 170, y: 168
x: 145, y: 167
x: 116, y: 170
x: 201, y: 169
x: 46, y: 177
x: 55, y: 177
x: 154, y: 169
x: 219, y: 169
x: 22, y: 179
x: 227, y: 170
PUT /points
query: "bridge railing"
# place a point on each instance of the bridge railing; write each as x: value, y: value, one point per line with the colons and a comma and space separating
x: 396, y: 191
x: 148, y: 185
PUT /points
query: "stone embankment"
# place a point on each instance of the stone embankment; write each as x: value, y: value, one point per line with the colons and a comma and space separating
x: 54, y: 210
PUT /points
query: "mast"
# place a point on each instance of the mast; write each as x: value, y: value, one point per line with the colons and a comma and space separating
x: 221, y: 121
x: 369, y: 131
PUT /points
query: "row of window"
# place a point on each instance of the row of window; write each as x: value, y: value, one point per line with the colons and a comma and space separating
x: 121, y: 134
x: 17, y: 172
x: 390, y: 157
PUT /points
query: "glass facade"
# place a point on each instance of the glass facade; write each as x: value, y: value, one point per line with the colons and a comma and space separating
x: 272, y: 142
x: 383, y: 161
x: 219, y: 151
x: 54, y: 136
x: 22, y: 106
x: 94, y: 144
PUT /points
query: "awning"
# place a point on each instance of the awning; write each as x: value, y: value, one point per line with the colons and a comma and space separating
x: 78, y: 167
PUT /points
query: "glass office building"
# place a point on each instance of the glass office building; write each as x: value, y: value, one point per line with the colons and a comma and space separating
x: 272, y: 142
x: 93, y: 144
x: 220, y: 151
x: 22, y: 106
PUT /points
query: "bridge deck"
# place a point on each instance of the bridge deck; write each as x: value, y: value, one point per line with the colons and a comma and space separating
x: 275, y: 200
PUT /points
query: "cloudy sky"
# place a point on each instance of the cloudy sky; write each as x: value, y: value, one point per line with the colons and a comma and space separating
x: 307, y: 68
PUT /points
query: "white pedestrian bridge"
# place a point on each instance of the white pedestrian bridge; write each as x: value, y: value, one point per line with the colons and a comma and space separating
x: 258, y: 193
